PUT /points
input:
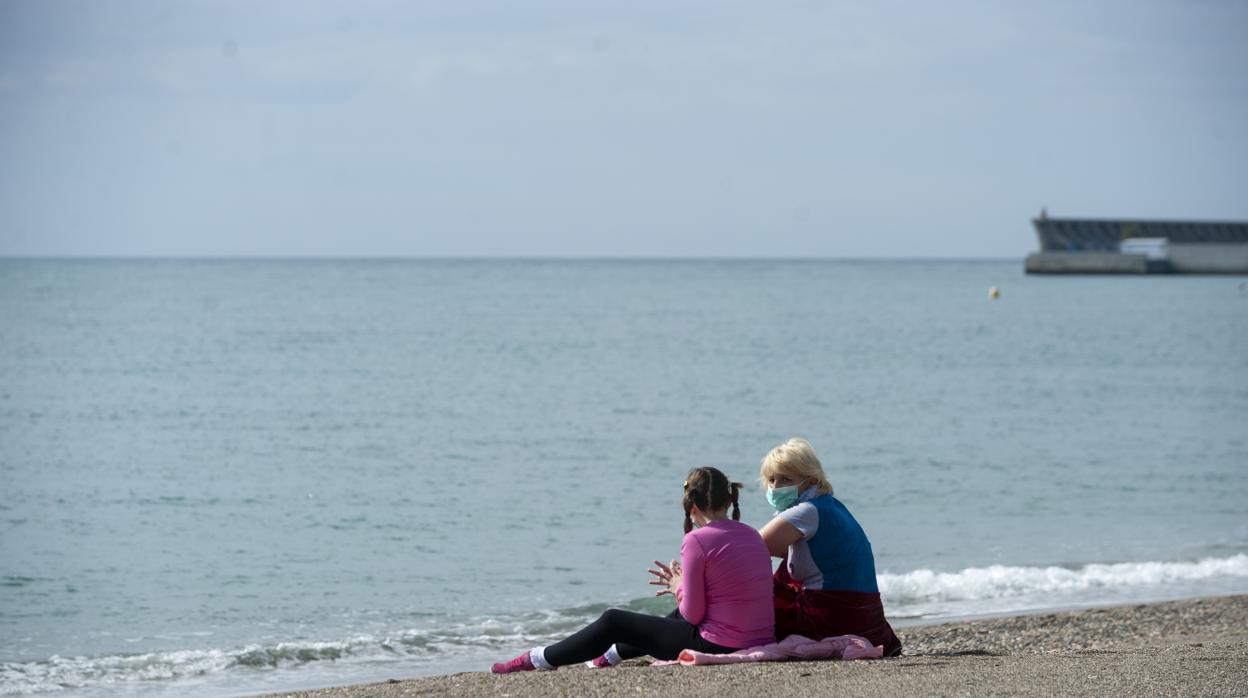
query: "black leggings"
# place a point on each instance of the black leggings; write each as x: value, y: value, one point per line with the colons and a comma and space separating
x: 634, y: 635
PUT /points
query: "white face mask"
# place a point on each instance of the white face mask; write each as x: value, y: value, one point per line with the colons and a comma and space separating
x: 781, y: 498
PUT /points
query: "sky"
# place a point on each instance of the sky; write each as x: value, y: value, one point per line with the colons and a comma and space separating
x: 590, y: 129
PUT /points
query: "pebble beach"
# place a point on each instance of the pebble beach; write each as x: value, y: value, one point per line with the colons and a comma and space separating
x: 1189, y: 647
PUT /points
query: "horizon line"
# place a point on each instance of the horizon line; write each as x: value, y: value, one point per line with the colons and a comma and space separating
x: 491, y: 258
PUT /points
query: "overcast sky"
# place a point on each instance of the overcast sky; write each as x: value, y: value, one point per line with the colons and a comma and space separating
x: 587, y: 129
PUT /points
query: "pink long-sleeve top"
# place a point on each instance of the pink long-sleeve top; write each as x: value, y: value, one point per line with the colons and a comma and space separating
x: 726, y: 589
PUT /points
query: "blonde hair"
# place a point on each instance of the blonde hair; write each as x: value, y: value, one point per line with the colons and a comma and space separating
x: 796, y: 460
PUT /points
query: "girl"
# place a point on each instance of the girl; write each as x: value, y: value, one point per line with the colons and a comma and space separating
x: 722, y: 586
x: 826, y: 585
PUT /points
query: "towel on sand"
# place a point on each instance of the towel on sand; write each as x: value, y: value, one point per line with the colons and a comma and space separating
x: 791, y: 647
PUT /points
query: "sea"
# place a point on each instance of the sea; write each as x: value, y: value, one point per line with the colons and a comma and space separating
x: 230, y: 477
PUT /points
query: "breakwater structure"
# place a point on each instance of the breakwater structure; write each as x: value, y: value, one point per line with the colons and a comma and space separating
x: 1135, y: 246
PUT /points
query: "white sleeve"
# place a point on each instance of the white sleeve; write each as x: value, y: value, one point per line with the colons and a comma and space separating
x: 804, y: 517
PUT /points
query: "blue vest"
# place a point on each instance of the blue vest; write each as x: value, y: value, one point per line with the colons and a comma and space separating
x: 840, y: 548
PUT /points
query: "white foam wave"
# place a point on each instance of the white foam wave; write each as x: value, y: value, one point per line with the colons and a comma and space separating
x: 917, y: 593
x: 999, y: 581
x: 485, y: 633
x: 59, y: 673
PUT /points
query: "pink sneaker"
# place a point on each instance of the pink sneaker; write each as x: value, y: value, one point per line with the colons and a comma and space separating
x: 599, y: 663
x: 521, y: 663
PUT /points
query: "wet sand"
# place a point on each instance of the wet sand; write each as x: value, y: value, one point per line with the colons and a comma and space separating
x: 1192, y: 647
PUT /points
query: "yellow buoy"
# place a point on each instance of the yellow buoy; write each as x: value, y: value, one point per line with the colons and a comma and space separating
x: 994, y: 293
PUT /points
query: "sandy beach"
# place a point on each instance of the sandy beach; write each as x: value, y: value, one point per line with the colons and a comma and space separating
x: 1190, y: 647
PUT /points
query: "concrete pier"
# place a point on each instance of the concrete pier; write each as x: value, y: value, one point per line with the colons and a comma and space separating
x: 1121, y: 246
x: 1209, y: 258
x: 1085, y: 263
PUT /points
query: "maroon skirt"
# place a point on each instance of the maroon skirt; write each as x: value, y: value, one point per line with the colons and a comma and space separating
x: 816, y: 613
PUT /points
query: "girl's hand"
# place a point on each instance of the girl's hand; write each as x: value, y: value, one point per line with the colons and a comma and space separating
x: 667, y: 576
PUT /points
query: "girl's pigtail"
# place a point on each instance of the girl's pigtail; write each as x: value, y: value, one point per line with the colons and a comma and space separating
x: 691, y: 491
x: 735, y: 489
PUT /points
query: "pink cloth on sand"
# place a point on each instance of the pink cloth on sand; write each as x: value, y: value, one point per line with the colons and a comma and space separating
x: 791, y: 647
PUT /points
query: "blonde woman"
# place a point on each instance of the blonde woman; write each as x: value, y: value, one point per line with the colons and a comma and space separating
x: 826, y: 584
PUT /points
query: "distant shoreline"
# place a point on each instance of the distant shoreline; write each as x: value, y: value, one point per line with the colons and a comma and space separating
x: 1194, y: 646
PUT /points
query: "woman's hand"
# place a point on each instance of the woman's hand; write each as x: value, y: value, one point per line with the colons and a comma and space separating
x: 668, y: 576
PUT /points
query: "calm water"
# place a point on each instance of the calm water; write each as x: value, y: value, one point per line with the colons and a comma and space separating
x: 226, y: 477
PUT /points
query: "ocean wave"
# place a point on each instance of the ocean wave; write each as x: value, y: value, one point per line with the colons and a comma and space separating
x: 917, y: 593
x: 1000, y: 581
x: 453, y: 637
x: 59, y: 673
